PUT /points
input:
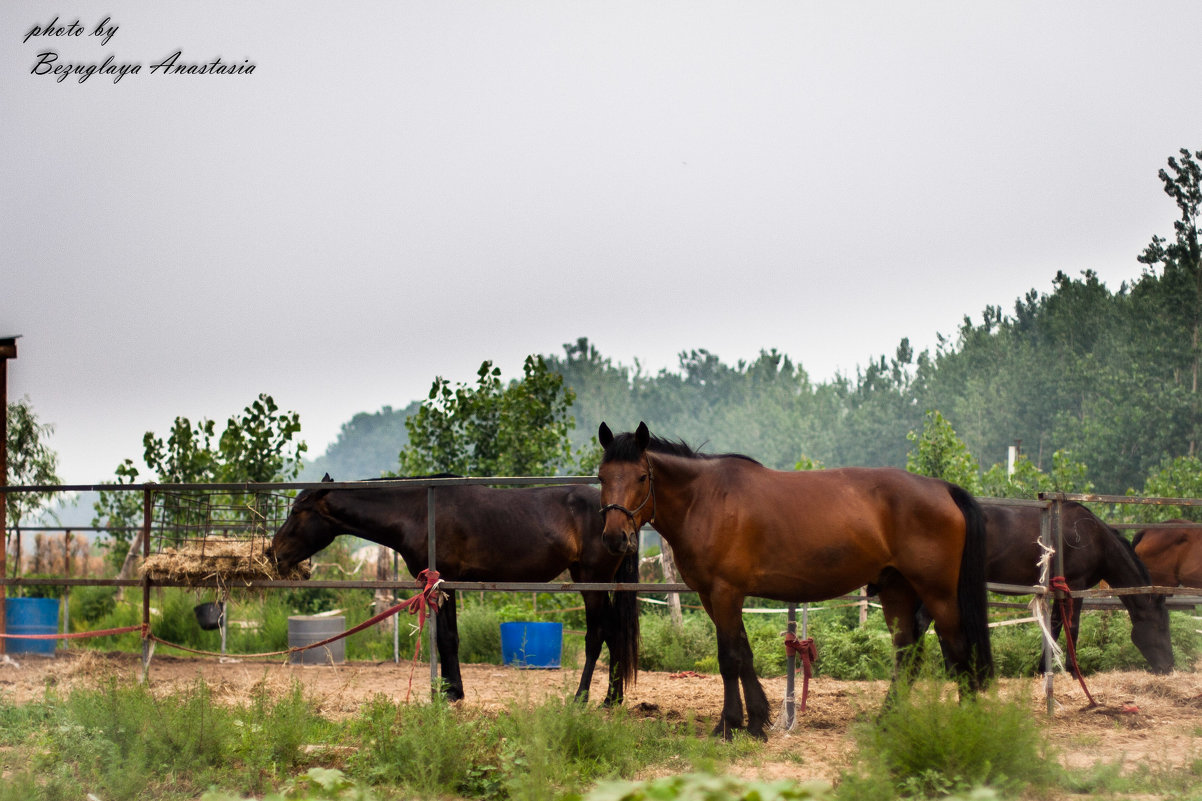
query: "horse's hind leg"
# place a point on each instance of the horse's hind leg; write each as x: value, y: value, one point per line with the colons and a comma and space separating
x: 596, y: 605
x: 900, y: 605
x: 958, y: 658
x: 447, y: 637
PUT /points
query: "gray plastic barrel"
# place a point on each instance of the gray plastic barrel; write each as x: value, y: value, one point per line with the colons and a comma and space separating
x: 308, y: 629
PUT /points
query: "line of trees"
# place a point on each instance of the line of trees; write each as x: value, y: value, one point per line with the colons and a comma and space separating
x: 1100, y: 386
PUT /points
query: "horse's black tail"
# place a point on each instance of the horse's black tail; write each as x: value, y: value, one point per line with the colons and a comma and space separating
x: 971, y: 593
x: 624, y: 646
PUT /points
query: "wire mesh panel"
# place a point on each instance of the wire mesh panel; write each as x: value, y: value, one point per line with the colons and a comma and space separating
x: 207, y: 535
x: 203, y: 517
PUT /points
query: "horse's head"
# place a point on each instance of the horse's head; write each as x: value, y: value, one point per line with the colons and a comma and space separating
x: 1150, y: 630
x: 306, y: 531
x: 627, y: 487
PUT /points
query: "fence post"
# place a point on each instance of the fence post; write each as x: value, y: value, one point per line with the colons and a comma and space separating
x: 1045, y: 538
x: 147, y: 643
x: 791, y: 669
x: 430, y: 547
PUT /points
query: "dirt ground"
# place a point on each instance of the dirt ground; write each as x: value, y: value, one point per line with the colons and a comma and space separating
x: 1141, y: 718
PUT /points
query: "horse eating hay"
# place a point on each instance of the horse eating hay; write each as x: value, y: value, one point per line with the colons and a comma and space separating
x: 1093, y: 552
x: 484, y: 534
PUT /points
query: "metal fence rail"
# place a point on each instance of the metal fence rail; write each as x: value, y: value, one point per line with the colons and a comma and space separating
x: 201, y: 528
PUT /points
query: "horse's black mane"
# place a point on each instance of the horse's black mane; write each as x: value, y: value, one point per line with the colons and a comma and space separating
x: 1126, y: 546
x: 1129, y: 547
x: 310, y: 493
x: 624, y: 448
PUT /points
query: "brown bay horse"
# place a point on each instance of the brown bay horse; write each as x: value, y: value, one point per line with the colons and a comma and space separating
x: 1173, y: 554
x: 484, y: 534
x: 1092, y: 552
x: 739, y: 529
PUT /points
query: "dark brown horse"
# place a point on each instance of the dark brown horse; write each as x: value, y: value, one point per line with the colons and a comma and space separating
x: 1093, y: 552
x: 1173, y: 555
x: 738, y: 529
x: 484, y: 534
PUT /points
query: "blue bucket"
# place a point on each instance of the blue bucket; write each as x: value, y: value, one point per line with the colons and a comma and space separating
x: 531, y: 645
x: 31, y: 616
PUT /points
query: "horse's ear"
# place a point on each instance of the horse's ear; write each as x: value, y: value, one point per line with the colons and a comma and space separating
x: 326, y: 479
x: 642, y: 436
x: 604, y: 436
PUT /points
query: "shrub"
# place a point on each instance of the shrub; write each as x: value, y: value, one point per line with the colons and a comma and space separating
x: 852, y: 654
x: 89, y: 604
x: 931, y: 743
x: 425, y: 747
x: 670, y: 648
x: 479, y: 634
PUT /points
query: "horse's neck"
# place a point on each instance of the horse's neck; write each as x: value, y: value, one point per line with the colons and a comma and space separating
x: 1118, y: 567
x: 387, y: 519
x: 673, y: 482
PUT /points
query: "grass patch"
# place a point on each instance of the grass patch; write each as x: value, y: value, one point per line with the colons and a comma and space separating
x: 931, y: 744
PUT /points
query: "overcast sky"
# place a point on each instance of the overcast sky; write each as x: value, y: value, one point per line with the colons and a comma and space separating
x: 400, y: 190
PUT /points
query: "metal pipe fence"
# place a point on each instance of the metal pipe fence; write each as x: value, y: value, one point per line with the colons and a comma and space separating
x: 1051, y: 534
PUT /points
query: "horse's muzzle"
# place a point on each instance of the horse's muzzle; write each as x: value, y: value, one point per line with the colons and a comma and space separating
x: 621, y: 541
x: 282, y: 565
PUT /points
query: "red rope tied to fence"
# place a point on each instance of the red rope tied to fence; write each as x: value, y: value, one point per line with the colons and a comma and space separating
x: 1060, y: 584
x: 424, y: 603
x: 807, y: 651
x: 420, y: 604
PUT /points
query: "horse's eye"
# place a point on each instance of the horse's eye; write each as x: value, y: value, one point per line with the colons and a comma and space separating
x: 642, y: 479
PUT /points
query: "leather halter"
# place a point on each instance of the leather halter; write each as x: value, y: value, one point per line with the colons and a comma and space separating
x: 632, y: 512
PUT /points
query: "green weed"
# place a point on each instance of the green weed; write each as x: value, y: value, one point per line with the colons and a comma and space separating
x: 930, y: 743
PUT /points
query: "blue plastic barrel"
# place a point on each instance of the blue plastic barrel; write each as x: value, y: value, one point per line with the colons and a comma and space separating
x: 531, y: 645
x: 31, y: 616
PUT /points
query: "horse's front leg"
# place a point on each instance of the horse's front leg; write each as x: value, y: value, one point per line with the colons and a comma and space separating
x: 595, y: 605
x: 447, y: 637
x: 725, y: 607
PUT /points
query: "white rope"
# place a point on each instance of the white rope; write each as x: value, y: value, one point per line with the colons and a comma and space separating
x: 1039, y: 606
x: 779, y: 723
x: 658, y: 602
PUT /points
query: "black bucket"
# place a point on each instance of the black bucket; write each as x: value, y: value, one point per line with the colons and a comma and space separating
x: 208, y: 615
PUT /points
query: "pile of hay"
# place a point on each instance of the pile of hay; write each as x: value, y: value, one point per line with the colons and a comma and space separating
x: 220, y: 558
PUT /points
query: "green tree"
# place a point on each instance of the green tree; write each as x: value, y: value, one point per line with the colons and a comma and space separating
x: 493, y: 429
x: 1177, y: 478
x: 1027, y: 480
x: 31, y: 462
x: 1180, y: 279
x: 258, y: 446
x: 939, y: 453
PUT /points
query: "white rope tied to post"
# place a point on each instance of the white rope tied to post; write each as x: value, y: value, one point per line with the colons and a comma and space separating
x: 1039, y: 606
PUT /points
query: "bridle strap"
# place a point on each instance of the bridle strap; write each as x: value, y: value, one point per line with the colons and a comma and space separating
x: 632, y: 512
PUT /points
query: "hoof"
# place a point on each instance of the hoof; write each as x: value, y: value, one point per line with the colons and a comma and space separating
x: 725, y: 730
x: 612, y: 700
